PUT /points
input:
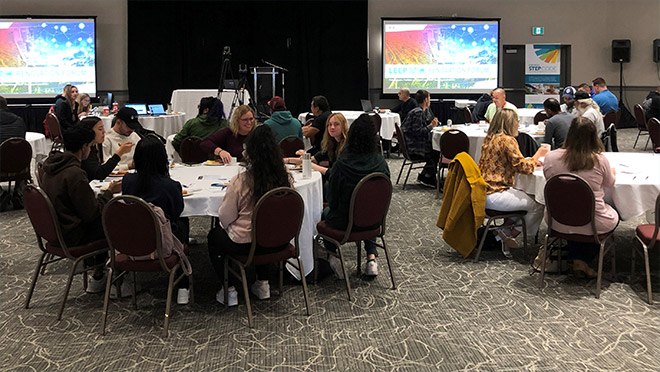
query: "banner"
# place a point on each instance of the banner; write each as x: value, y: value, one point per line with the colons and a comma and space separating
x: 542, y: 70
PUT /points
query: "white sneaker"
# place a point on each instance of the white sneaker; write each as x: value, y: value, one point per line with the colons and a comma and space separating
x: 232, y: 296
x: 95, y: 285
x: 261, y: 289
x: 372, y: 268
x: 126, y: 289
x: 182, y: 296
x: 335, y: 264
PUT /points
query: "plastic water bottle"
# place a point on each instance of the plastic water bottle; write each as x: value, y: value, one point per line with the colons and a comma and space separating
x: 307, y: 166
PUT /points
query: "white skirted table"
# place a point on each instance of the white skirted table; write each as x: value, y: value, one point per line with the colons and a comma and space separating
x: 38, y: 143
x: 164, y: 125
x: 388, y: 119
x: 187, y: 100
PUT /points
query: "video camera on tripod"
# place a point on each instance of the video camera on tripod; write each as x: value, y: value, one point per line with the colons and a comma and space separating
x: 239, y: 86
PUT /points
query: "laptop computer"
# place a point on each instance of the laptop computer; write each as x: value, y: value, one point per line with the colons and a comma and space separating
x: 156, y: 110
x: 141, y: 108
x: 366, y: 105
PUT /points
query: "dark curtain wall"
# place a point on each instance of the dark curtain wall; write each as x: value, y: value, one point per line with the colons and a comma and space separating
x: 178, y: 45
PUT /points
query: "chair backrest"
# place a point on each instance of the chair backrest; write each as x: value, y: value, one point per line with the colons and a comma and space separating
x: 15, y: 156
x: 610, y: 118
x: 570, y: 201
x: 454, y: 142
x: 370, y: 202
x: 403, y: 147
x: 191, y: 152
x: 42, y: 216
x: 611, y: 134
x: 540, y: 116
x: 654, y: 238
x: 640, y: 117
x: 289, y: 145
x: 276, y: 220
x: 40, y: 172
x: 131, y: 227
x: 53, y: 125
x: 527, y: 145
x: 653, y: 126
x: 468, y: 115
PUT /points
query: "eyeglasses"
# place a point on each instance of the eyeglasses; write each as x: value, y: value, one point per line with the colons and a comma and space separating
x: 246, y: 120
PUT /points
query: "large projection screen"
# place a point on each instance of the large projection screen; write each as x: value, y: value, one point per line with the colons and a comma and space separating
x: 39, y: 56
x: 446, y: 56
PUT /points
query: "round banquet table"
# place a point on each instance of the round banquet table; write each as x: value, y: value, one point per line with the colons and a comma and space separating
x: 169, y: 148
x: 526, y: 115
x: 635, y: 190
x: 187, y: 100
x: 388, y: 119
x: 164, y: 125
x: 477, y: 133
x: 38, y: 143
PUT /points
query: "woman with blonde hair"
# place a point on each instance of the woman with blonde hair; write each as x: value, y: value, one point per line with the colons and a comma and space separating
x: 582, y: 155
x: 500, y: 161
x: 84, y: 105
x: 228, y: 142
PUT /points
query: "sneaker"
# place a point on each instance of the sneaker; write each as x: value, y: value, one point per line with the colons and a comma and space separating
x: 426, y: 180
x: 183, y: 296
x: 335, y: 264
x: 232, y: 296
x: 126, y: 289
x: 95, y: 285
x: 261, y: 289
x: 372, y: 268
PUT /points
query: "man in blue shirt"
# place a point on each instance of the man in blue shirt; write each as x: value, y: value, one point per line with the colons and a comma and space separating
x: 604, y: 98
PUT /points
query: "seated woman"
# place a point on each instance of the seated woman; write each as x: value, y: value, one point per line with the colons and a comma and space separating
x: 84, y: 105
x: 582, y: 155
x: 264, y: 172
x: 331, y: 145
x: 500, y: 161
x: 93, y: 166
x: 358, y: 159
x: 210, y: 119
x: 152, y: 183
x: 66, y: 107
x: 228, y: 142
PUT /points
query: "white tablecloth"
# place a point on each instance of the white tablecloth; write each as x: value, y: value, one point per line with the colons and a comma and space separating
x: 164, y: 125
x: 187, y: 100
x: 476, y: 134
x: 526, y: 115
x: 39, y: 144
x: 169, y: 148
x: 388, y: 119
x: 635, y: 190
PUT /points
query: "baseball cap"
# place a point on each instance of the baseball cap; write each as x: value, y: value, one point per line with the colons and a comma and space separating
x: 277, y: 103
x: 129, y: 116
x: 568, y: 92
x: 581, y: 95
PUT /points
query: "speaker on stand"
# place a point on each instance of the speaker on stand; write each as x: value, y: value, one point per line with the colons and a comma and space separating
x: 621, y: 55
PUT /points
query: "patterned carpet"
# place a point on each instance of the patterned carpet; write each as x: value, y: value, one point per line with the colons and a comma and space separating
x: 448, y: 314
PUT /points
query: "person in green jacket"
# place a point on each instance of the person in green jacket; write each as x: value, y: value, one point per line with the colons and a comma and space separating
x: 281, y: 121
x: 211, y: 118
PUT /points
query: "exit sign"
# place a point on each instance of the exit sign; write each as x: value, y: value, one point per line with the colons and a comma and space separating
x: 536, y: 31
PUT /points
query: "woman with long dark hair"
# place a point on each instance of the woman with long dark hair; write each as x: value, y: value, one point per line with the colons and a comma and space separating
x: 94, y: 166
x: 264, y: 172
x: 66, y: 107
x: 210, y: 119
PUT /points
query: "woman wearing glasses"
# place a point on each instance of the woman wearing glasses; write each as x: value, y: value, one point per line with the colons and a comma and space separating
x: 228, y: 142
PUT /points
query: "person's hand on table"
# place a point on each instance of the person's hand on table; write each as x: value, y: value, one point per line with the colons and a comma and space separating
x: 225, y: 156
x: 115, y: 187
x: 124, y: 148
x: 613, y: 171
x: 434, y: 123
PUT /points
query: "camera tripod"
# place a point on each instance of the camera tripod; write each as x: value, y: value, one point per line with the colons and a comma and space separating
x: 239, y: 88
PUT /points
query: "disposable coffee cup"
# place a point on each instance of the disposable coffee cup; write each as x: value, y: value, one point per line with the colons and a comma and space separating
x: 482, y: 122
x: 234, y: 161
x: 546, y: 145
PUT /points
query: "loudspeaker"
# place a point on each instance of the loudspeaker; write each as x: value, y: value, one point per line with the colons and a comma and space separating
x: 620, y: 51
x: 656, y: 50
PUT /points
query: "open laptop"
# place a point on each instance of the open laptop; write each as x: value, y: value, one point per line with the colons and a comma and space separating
x: 141, y: 108
x: 156, y: 110
x: 366, y: 105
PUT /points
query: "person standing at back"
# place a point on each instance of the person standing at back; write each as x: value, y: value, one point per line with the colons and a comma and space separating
x: 281, y: 121
x: 604, y: 98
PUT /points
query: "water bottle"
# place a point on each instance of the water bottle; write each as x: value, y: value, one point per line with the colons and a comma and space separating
x: 307, y: 166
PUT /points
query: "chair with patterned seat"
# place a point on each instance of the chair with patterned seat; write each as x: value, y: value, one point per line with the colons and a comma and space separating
x: 648, y: 236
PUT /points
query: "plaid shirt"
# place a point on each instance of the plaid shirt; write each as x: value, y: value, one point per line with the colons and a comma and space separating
x: 500, y: 161
x: 416, y: 128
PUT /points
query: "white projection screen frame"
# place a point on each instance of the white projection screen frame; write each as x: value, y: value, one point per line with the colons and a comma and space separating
x: 441, y: 55
x: 40, y: 55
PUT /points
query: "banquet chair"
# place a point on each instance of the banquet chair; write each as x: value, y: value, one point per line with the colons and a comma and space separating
x: 527, y: 145
x: 640, y: 118
x: 654, y: 132
x: 54, y: 132
x: 496, y: 220
x: 468, y: 115
x: 378, y: 122
x: 570, y: 201
x: 407, y: 161
x: 611, y: 118
x: 289, y: 145
x: 648, y: 236
x: 452, y: 143
x: 15, y: 159
x: 540, y: 116
x: 609, y: 139
x: 191, y: 152
x: 370, y: 202
x: 46, y: 226
x: 133, y: 230
x: 276, y: 220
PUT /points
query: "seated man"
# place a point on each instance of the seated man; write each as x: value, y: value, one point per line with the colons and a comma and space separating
x: 588, y: 108
x: 568, y: 96
x: 604, y: 98
x: 315, y: 128
x: 406, y: 104
x: 78, y: 209
x: 652, y: 108
x: 417, y: 130
x: 479, y: 110
x: 499, y: 102
x: 557, y: 124
x: 124, y: 125
x: 11, y: 125
x: 282, y: 123
x: 210, y: 119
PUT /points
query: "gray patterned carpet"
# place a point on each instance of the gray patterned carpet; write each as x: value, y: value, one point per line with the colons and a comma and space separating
x: 447, y: 314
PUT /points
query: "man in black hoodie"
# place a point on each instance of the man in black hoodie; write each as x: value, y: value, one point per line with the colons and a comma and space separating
x: 11, y: 125
x: 78, y: 209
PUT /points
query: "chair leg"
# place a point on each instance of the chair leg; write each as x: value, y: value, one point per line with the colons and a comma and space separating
x: 35, y: 276
x: 632, y: 264
x: 246, y: 294
x: 315, y: 247
x: 407, y: 175
x: 401, y: 171
x: 359, y: 257
x: 483, y: 239
x: 346, y: 278
x: 638, y: 133
x: 600, y: 269
x: 168, y: 305
x: 135, y: 291
x: 544, y: 253
x: 647, y: 142
x: 304, y: 283
x: 68, y: 287
x: 106, y: 300
x: 648, y: 275
x: 48, y: 258
x: 389, y: 263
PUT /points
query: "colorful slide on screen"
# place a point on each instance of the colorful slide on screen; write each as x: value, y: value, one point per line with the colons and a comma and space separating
x: 38, y: 57
x: 441, y: 56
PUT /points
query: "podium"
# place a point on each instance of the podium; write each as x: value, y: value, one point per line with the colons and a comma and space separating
x: 266, y: 85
